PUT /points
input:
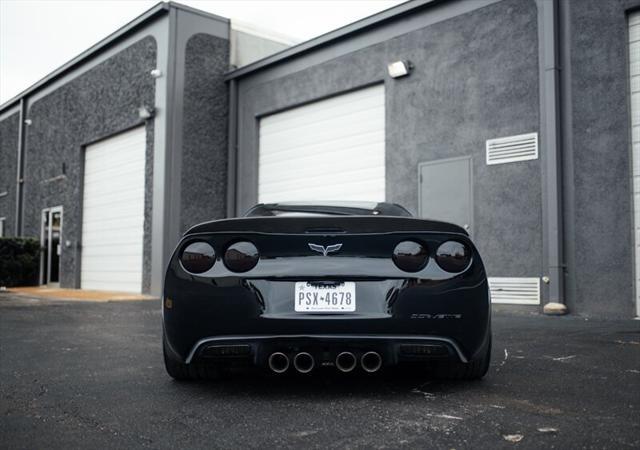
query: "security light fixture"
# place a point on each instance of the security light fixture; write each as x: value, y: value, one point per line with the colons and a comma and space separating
x: 146, y: 112
x: 399, y: 69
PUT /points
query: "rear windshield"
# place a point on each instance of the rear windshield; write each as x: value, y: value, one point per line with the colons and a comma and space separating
x: 343, y: 209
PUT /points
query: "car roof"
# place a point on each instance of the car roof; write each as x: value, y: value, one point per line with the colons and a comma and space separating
x: 330, y: 207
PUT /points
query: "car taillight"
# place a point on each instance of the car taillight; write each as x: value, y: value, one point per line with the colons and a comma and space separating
x: 198, y: 257
x: 241, y: 256
x: 410, y: 256
x: 453, y: 256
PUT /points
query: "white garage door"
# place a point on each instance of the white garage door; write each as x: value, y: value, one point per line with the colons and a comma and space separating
x: 634, y: 72
x: 113, y: 213
x: 328, y: 150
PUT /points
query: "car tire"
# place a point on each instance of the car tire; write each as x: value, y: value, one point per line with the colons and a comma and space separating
x: 180, y: 371
x: 472, y: 370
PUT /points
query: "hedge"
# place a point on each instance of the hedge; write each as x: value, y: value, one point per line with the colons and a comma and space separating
x: 19, y: 261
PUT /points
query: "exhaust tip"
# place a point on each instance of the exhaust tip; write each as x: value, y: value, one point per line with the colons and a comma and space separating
x: 371, y: 362
x: 346, y: 361
x: 278, y: 362
x: 303, y: 362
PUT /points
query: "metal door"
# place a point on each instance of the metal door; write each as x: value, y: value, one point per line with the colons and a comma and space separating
x: 446, y: 191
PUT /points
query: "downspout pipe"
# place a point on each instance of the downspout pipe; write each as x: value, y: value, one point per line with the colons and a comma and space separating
x: 22, y: 129
x: 232, y: 154
x: 551, y: 140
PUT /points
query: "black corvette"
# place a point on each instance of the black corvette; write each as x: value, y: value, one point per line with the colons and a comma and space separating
x: 350, y: 286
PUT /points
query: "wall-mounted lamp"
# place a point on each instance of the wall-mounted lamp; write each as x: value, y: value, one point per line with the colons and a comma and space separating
x: 146, y: 112
x: 399, y: 69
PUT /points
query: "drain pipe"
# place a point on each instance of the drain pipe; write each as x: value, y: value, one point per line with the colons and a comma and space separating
x: 232, y: 153
x: 551, y: 138
x: 22, y: 128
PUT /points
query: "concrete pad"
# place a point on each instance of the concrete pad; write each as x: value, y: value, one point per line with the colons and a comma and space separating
x: 78, y: 294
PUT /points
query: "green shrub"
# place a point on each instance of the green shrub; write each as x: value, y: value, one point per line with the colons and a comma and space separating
x: 19, y: 261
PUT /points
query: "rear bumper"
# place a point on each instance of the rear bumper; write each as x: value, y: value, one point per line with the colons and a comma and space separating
x: 324, y: 348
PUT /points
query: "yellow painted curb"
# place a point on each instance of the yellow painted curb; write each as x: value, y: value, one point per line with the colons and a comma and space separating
x: 78, y: 294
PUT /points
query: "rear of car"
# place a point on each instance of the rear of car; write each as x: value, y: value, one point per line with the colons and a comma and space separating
x: 293, y: 288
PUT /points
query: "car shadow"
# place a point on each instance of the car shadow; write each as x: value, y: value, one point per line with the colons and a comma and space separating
x: 328, y: 385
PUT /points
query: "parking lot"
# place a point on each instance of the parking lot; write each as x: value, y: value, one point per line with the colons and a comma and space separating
x: 86, y: 374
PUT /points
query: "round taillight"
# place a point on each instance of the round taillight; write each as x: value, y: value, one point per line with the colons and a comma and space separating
x: 410, y: 256
x: 241, y: 256
x: 453, y: 256
x: 198, y: 257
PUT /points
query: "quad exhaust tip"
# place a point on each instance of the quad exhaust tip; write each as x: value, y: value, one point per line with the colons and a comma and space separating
x: 278, y: 362
x: 371, y: 362
x: 303, y: 362
x: 346, y: 361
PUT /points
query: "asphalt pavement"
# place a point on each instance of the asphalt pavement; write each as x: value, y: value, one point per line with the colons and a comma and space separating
x: 90, y: 375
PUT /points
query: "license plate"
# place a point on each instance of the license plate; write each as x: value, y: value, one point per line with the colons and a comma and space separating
x: 339, y: 297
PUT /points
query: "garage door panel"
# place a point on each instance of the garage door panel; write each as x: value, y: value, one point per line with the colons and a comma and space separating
x: 323, y: 178
x: 328, y: 150
x: 352, y: 101
x: 122, y: 154
x: 334, y: 161
x: 117, y: 183
x: 121, y: 224
x: 115, y: 202
x: 106, y: 275
x: 335, y: 107
x: 345, y: 144
x: 354, y: 190
x: 110, y: 262
x: 315, y: 133
x: 117, y: 187
x: 127, y: 199
x: 95, y: 197
x: 121, y: 141
x: 123, y: 171
x: 309, y: 124
x: 127, y: 240
x: 127, y: 250
x: 339, y: 136
x: 113, y: 213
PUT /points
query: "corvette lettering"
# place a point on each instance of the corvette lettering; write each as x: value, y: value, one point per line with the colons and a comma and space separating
x: 436, y: 316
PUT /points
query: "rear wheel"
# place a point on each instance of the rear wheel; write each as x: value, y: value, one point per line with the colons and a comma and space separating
x: 473, y: 370
x: 186, y: 372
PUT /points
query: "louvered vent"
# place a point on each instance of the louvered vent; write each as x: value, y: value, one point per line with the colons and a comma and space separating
x: 521, y: 291
x: 513, y: 148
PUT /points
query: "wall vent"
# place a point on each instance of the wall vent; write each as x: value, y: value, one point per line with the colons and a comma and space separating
x: 522, y: 147
x: 518, y: 291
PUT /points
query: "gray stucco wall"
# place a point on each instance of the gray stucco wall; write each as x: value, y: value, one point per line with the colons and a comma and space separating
x: 205, y: 124
x: 8, y: 167
x: 599, y: 226
x: 97, y: 104
x: 475, y: 78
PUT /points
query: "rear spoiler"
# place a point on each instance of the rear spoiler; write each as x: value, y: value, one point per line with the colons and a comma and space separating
x: 325, y: 225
